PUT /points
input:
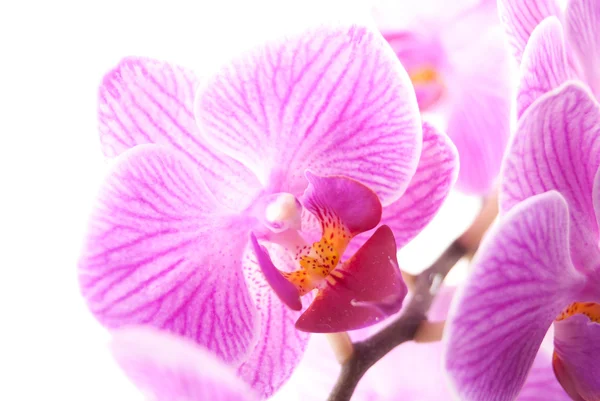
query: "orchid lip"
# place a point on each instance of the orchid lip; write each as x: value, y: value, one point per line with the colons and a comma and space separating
x: 282, y: 287
x: 575, y: 350
x: 359, y: 292
x: 589, y: 309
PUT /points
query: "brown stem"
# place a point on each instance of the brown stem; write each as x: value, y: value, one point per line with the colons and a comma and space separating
x: 369, y: 351
x: 425, y: 287
x: 429, y: 332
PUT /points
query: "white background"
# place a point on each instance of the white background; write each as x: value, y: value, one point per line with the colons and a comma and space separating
x: 52, y: 57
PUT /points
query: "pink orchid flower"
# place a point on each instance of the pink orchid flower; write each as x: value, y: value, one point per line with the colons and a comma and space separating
x: 553, y: 46
x: 540, y: 267
x: 457, y: 60
x: 314, y: 136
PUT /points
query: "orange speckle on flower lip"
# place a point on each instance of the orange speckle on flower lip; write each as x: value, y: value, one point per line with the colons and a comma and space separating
x: 589, y: 309
x: 318, y: 261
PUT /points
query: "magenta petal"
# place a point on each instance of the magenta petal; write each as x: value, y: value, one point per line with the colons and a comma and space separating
x: 577, y: 346
x: 583, y: 31
x: 520, y: 17
x: 557, y: 147
x: 544, y: 66
x: 479, y: 110
x: 333, y: 100
x: 367, y: 289
x: 280, y: 346
x: 522, y: 279
x: 429, y: 187
x: 356, y: 206
x: 149, y: 101
x: 541, y: 384
x: 286, y: 291
x: 420, y: 53
x: 596, y: 196
x: 162, y: 251
x: 170, y: 368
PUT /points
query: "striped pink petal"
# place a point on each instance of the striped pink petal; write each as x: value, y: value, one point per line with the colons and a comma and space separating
x: 544, y: 66
x: 557, y: 147
x: 596, y: 196
x: 280, y: 346
x: 520, y: 17
x: 162, y: 251
x: 333, y: 100
x: 428, y: 189
x: 148, y: 101
x: 522, y: 279
x: 172, y: 368
x: 541, y: 384
x: 583, y: 32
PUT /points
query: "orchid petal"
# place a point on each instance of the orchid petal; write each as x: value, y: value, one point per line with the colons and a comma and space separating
x: 544, y: 66
x: 596, y: 196
x: 583, y: 31
x: 523, y: 277
x: 557, y: 147
x: 428, y: 189
x: 280, y: 346
x: 285, y: 290
x: 354, y: 205
x: 479, y: 115
x: 424, y: 58
x: 148, y: 101
x: 171, y: 368
x: 334, y: 100
x: 577, y: 346
x: 364, y: 290
x: 541, y: 384
x: 162, y: 251
x: 520, y: 17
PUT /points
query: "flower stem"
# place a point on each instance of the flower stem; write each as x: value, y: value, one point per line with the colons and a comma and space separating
x: 410, y: 325
x: 471, y: 238
x: 429, y: 332
x: 342, y: 346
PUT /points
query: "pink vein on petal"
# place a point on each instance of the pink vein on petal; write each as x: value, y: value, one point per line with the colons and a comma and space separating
x: 147, y: 101
x: 161, y: 250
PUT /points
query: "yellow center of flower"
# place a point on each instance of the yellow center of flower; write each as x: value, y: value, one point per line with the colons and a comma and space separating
x: 318, y: 261
x: 589, y: 309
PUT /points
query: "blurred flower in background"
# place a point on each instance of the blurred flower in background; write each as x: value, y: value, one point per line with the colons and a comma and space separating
x: 456, y: 57
x: 552, y: 45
